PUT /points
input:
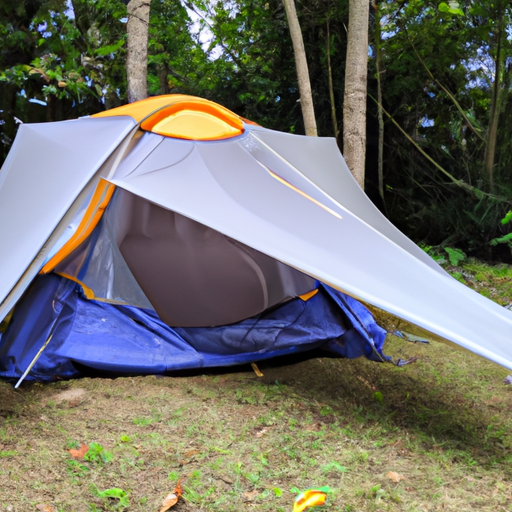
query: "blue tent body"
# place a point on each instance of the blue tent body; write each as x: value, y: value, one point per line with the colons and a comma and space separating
x: 124, y: 339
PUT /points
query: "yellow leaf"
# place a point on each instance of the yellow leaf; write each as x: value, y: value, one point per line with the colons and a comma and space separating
x: 256, y: 370
x: 310, y: 498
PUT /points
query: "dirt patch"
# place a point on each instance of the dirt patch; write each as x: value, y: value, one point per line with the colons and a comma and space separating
x: 73, y: 396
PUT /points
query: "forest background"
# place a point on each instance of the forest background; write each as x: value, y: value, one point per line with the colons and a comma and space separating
x: 440, y: 71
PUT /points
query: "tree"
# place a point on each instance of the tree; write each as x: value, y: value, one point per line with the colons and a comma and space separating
x: 306, y: 97
x: 499, y: 86
x: 354, y: 103
x: 137, y: 31
x: 58, y: 60
x: 380, y: 114
x: 443, y: 65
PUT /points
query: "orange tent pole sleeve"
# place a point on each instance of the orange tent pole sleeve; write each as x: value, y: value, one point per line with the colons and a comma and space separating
x: 306, y: 296
x: 92, y: 216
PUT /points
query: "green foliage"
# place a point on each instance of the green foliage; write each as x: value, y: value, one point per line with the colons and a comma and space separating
x: 334, y: 466
x: 67, y: 56
x: 98, y: 454
x: 378, y: 396
x: 502, y: 239
x: 455, y: 256
x: 114, y: 493
x: 440, y: 93
x: 507, y: 218
x: 451, y: 7
x: 76, y: 470
x: 8, y: 453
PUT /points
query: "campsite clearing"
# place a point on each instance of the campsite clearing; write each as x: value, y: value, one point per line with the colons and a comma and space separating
x: 433, y: 435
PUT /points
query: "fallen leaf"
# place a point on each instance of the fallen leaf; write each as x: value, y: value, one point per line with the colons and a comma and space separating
x: 43, y: 507
x: 250, y: 495
x: 395, y: 477
x: 168, y: 502
x: 79, y: 454
x: 261, y: 432
x: 188, y: 456
x: 256, y: 370
x: 178, y: 490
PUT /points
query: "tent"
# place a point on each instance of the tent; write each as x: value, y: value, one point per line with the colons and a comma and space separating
x: 171, y: 233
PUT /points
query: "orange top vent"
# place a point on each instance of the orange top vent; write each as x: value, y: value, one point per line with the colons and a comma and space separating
x: 182, y: 117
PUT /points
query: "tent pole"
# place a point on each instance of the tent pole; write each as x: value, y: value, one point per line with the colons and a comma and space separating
x: 37, y: 356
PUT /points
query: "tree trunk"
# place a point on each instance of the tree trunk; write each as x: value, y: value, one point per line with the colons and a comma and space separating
x: 137, y: 49
x: 380, y: 115
x: 354, y: 102
x: 306, y: 98
x: 163, y: 73
x: 331, y: 85
x: 492, y: 132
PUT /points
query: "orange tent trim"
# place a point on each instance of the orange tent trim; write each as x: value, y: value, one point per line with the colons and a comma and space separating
x: 92, y: 216
x: 183, y: 117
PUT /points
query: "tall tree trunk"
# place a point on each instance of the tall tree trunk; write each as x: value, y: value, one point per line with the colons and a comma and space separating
x: 492, y: 132
x: 354, y: 102
x: 137, y: 49
x: 331, y: 85
x: 380, y: 115
x: 306, y: 98
x: 163, y: 73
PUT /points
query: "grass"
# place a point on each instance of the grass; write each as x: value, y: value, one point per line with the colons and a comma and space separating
x: 239, y: 442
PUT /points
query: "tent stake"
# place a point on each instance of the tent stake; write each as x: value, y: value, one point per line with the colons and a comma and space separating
x: 37, y: 356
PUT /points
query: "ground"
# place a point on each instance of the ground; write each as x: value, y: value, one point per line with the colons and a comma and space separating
x: 433, y: 435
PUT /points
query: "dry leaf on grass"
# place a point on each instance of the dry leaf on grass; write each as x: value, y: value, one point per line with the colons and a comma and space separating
x: 43, y: 507
x: 168, y: 502
x: 256, y: 370
x: 250, y: 495
x: 395, y: 477
x: 79, y: 454
x: 261, y: 432
x: 188, y: 456
x: 171, y: 499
